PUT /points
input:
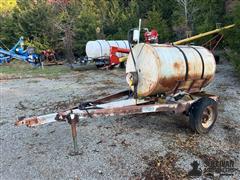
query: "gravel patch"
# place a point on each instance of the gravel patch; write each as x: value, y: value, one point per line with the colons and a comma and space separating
x: 127, y: 147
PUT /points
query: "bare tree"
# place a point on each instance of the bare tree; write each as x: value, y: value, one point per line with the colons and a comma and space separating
x: 68, y: 43
x: 66, y: 26
x: 184, y: 4
x: 189, y: 10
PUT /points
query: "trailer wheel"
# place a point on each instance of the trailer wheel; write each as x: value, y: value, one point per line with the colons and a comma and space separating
x: 100, y: 66
x: 122, y: 65
x: 217, y: 59
x: 203, y: 115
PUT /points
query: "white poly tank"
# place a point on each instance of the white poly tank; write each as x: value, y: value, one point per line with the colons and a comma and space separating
x: 164, y: 68
x: 101, y: 48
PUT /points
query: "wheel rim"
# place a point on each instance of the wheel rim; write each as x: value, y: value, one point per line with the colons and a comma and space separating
x: 208, y: 117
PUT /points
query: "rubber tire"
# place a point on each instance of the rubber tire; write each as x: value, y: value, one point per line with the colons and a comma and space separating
x: 217, y: 59
x: 196, y: 113
x: 122, y: 65
x: 100, y: 66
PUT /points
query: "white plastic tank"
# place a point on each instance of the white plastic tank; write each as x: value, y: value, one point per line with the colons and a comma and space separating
x: 164, y: 68
x: 101, y: 48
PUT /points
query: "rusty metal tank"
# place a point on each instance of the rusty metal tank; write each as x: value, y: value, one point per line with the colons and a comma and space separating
x: 168, y: 69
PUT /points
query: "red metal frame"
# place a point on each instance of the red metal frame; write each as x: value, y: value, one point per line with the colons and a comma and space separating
x: 114, y: 59
x: 213, y: 43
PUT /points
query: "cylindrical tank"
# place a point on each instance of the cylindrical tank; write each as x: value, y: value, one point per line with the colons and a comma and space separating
x: 163, y: 68
x: 101, y: 48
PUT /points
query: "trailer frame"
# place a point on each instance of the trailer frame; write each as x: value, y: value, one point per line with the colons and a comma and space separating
x: 118, y: 104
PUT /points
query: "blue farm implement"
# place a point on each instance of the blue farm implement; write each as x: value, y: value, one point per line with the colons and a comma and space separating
x: 18, y: 52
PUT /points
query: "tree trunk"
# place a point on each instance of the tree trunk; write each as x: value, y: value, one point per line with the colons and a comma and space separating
x: 68, y: 44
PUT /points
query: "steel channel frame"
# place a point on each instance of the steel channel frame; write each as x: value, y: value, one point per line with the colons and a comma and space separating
x: 125, y: 107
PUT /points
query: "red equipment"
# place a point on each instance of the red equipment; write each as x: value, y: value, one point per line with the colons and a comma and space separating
x: 49, y: 57
x: 114, y: 59
x: 151, y: 37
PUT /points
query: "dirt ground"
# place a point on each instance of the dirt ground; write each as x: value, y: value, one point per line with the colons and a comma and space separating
x: 159, y: 146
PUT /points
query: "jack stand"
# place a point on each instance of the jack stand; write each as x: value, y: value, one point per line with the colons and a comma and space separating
x: 73, y: 120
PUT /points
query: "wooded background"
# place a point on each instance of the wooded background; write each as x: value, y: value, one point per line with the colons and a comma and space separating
x: 69, y: 24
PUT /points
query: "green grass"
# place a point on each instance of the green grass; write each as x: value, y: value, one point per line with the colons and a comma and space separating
x: 21, y: 69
